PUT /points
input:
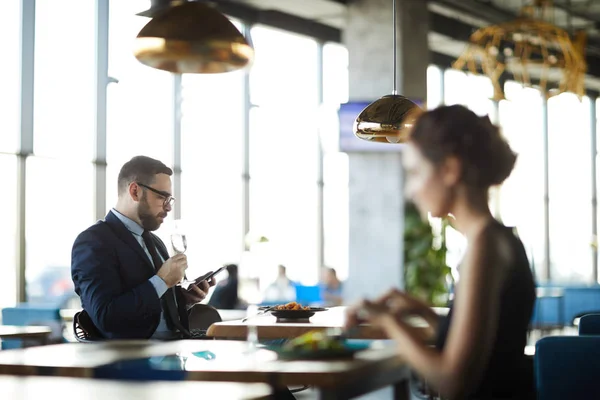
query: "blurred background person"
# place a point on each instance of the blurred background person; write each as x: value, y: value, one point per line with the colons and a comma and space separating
x: 331, y: 288
x: 225, y: 295
x: 282, y: 289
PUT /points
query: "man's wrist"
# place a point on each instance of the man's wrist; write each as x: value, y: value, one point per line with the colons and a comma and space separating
x: 159, y: 285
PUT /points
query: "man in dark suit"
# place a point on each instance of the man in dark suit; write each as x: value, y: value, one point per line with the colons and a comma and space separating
x: 123, y: 273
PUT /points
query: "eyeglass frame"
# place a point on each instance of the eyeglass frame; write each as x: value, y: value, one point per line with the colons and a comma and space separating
x: 169, y: 199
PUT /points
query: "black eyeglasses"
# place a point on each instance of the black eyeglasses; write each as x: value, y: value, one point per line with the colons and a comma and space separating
x: 169, y: 200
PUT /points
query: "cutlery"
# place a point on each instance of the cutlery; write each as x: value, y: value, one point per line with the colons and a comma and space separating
x: 262, y: 312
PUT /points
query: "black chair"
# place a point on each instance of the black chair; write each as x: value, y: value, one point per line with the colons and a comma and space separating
x: 589, y: 324
x: 201, y: 317
x: 84, y: 329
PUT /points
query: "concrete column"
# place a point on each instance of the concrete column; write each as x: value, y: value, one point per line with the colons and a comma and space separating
x: 376, y: 251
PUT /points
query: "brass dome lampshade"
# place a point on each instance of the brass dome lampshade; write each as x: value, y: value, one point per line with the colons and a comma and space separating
x: 390, y: 118
x: 191, y: 37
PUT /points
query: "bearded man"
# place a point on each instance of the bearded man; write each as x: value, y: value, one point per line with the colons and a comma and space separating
x: 123, y: 273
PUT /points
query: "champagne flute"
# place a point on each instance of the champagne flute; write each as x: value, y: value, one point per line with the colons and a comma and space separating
x: 178, y: 240
x: 179, y: 245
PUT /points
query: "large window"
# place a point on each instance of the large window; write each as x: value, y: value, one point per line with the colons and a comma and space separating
x: 569, y: 140
x: 522, y: 194
x: 8, y: 230
x: 284, y: 151
x: 335, y: 74
x: 472, y: 91
x: 59, y: 206
x: 140, y: 105
x: 10, y: 27
x: 336, y: 211
x: 335, y: 164
x: 64, y: 78
x: 434, y: 87
x: 212, y: 147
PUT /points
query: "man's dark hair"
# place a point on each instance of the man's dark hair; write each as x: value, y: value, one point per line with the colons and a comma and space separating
x: 141, y: 169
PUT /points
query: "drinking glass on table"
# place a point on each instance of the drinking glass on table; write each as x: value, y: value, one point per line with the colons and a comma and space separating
x: 252, y: 335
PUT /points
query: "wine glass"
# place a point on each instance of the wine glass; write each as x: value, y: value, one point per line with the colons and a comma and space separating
x: 178, y: 240
x: 179, y: 245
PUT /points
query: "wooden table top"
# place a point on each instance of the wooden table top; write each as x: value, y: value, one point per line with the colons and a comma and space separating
x: 67, y: 314
x: 23, y: 332
x: 39, y: 387
x: 203, y: 360
x: 269, y: 328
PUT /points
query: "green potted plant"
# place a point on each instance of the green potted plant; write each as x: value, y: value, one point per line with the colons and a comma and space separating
x: 426, y: 273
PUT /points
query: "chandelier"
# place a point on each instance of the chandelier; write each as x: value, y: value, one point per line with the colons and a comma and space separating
x: 535, y: 52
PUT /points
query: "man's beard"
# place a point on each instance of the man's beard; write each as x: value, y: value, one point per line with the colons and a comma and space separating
x: 148, y: 220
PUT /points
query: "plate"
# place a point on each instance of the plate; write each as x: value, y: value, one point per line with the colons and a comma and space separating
x: 348, y: 351
x: 296, y: 314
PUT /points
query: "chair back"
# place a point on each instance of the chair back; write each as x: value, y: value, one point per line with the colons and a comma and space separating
x: 308, y: 294
x: 567, y: 367
x: 589, y: 324
x: 202, y: 316
x: 84, y: 329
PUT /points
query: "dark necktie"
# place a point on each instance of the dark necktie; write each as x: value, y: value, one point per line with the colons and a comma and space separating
x: 168, y: 299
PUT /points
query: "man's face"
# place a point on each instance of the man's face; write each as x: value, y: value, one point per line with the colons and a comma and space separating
x: 152, y: 209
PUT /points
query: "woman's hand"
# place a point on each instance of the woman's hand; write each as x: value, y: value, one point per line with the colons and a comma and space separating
x: 377, y: 314
x: 395, y: 303
x: 399, y: 303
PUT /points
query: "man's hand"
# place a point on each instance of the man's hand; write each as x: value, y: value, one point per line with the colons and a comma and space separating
x: 173, y: 270
x: 197, y: 293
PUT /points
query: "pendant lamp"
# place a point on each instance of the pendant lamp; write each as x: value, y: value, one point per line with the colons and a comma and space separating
x: 190, y: 37
x: 388, y: 119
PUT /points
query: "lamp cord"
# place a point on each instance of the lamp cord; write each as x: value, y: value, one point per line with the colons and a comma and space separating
x: 394, y: 90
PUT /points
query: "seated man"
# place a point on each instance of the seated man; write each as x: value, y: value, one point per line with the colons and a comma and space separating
x: 123, y: 273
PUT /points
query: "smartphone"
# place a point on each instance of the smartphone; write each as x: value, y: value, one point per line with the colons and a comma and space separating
x: 206, y: 276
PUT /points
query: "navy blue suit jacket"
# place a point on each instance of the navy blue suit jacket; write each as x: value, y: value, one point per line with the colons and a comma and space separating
x: 111, y: 273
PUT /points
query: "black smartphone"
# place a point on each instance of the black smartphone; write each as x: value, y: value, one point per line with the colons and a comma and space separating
x: 206, y: 276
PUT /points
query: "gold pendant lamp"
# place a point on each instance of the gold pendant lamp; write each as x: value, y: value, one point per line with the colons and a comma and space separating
x: 190, y: 37
x: 388, y: 119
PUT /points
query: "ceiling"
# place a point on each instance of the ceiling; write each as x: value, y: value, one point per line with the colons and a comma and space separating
x: 452, y: 21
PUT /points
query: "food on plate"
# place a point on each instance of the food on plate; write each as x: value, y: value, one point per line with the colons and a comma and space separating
x: 314, y: 341
x: 291, y: 306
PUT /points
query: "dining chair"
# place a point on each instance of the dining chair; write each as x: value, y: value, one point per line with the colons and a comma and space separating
x: 589, y: 324
x: 567, y: 367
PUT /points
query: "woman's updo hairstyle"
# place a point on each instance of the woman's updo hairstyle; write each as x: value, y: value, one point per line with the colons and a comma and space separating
x: 487, y: 159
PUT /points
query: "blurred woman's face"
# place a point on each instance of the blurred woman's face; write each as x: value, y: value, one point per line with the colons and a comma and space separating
x: 424, y: 184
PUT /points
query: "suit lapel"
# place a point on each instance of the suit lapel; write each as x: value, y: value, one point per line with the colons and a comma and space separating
x: 123, y: 233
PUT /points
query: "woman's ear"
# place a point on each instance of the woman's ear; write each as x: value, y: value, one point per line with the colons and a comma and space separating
x: 451, y: 171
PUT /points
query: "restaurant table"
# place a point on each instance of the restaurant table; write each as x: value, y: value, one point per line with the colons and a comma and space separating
x: 37, y: 333
x: 212, y: 360
x: 67, y: 314
x: 269, y: 329
x: 41, y: 387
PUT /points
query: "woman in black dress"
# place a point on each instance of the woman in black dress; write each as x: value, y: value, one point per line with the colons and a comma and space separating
x: 452, y: 159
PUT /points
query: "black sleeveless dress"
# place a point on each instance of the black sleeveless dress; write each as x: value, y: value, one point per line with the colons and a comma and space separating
x: 509, y: 373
